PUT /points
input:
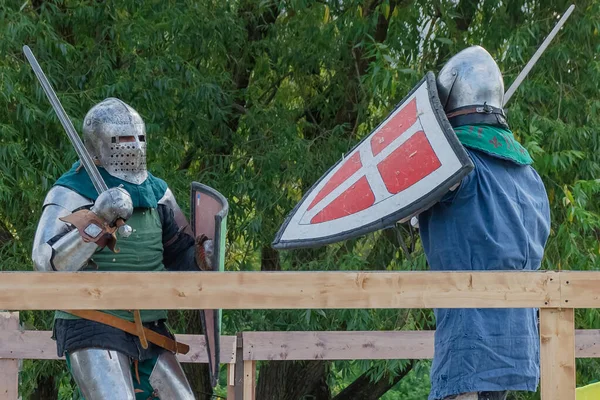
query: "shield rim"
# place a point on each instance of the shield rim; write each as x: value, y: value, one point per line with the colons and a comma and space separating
x: 197, y: 186
x: 219, y: 217
x: 214, y: 369
x: 420, y: 204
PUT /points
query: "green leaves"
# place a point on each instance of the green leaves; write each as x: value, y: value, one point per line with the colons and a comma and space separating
x: 260, y: 98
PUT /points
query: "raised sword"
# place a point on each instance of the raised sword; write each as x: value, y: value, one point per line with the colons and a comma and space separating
x: 84, y: 156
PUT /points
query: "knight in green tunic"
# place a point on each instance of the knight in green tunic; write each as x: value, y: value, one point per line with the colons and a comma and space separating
x: 107, y: 362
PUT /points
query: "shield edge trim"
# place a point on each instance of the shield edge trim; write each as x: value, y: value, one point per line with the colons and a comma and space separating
x: 196, y: 186
x: 213, y: 369
x: 414, y: 207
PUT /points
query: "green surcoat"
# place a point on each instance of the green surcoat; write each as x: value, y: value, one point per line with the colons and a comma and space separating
x: 143, y: 249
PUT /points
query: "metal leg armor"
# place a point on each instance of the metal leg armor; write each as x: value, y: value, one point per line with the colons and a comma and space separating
x: 168, y: 379
x: 102, y: 374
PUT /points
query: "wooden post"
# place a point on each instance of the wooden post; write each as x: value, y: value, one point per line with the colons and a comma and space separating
x: 238, y: 373
x: 249, y: 379
x: 557, y: 353
x: 9, y: 367
x: 230, y: 381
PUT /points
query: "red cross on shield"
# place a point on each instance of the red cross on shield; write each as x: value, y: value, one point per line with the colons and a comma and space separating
x: 403, y: 167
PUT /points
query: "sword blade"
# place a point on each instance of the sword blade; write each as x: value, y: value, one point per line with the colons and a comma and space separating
x: 511, y: 90
x: 84, y: 156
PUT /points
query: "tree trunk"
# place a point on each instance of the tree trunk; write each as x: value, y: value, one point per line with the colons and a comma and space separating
x: 46, y: 389
x: 364, y: 389
x: 240, y: 68
x: 289, y: 380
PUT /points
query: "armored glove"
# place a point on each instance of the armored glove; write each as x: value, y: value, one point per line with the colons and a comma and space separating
x: 204, y: 253
x: 111, y: 209
x: 113, y: 204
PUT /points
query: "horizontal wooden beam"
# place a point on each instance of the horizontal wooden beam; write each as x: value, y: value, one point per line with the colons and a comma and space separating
x: 277, y: 290
x: 367, y: 345
x: 262, y: 346
x: 579, y: 289
x: 357, y: 345
x: 39, y: 345
x: 587, y: 343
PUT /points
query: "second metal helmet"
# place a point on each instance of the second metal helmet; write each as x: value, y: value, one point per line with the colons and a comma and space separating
x: 115, y: 135
x: 471, y: 88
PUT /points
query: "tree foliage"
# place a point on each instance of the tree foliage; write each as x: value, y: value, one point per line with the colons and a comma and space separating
x: 258, y: 98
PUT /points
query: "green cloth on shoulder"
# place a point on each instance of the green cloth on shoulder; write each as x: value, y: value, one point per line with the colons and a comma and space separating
x: 146, y: 195
x: 494, y: 141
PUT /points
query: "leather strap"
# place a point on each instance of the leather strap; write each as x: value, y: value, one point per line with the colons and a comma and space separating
x: 464, y: 111
x: 93, y: 228
x: 140, y: 329
x: 476, y: 114
x: 475, y: 109
x: 131, y: 328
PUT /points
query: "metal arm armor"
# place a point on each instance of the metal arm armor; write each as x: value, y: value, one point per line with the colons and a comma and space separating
x: 169, y: 201
x: 56, y: 247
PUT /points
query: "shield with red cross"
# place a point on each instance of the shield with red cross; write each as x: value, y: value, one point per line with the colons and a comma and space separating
x: 402, y: 168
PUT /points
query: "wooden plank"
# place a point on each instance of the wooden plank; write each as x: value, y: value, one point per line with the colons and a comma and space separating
x: 198, y: 352
x: 587, y: 343
x: 38, y: 345
x: 277, y: 290
x: 367, y: 345
x: 557, y: 354
x: 262, y: 346
x: 358, y: 345
x: 9, y: 367
x: 579, y: 289
x: 249, y: 380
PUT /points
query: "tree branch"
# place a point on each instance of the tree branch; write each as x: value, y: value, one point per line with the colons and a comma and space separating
x: 365, y: 389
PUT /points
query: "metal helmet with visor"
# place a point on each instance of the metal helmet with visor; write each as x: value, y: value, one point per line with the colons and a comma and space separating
x: 115, y: 136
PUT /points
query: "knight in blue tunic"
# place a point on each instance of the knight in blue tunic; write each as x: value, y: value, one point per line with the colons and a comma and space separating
x: 498, y: 218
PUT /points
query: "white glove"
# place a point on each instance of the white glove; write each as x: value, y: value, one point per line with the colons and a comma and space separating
x: 414, y: 221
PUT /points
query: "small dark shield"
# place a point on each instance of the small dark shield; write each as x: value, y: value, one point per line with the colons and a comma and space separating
x: 209, y: 217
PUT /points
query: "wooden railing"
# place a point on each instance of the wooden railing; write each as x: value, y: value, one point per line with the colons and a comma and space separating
x: 555, y: 293
x: 251, y: 347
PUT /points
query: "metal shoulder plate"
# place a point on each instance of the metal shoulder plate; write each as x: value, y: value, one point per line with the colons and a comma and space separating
x: 169, y: 201
x: 66, y: 198
x: 60, y: 202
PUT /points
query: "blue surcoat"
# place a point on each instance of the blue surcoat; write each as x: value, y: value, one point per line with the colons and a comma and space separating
x: 498, y: 219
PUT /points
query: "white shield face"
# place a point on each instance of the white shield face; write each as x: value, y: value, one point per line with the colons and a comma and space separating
x: 406, y: 164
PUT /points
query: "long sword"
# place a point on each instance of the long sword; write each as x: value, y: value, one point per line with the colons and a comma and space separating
x: 84, y: 156
x: 511, y: 90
